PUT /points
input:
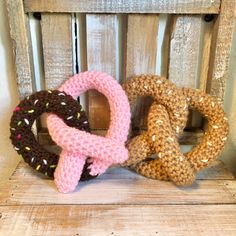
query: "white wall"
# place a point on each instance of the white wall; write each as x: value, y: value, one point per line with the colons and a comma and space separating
x: 8, y: 100
x: 8, y: 95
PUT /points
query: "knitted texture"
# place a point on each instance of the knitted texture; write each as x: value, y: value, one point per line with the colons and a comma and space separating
x: 28, y: 111
x: 103, y: 151
x: 161, y: 137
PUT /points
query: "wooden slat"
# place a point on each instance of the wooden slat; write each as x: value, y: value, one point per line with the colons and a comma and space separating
x: 118, y: 186
x: 141, y: 57
x: 221, y: 55
x: 184, y: 55
x: 205, y: 54
x: 19, y: 28
x: 184, y: 48
x: 118, y: 220
x: 123, y: 6
x: 101, y: 56
x: 57, y: 48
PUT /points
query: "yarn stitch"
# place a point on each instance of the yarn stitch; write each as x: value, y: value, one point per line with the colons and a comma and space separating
x: 161, y: 137
x: 76, y: 144
x: 28, y: 111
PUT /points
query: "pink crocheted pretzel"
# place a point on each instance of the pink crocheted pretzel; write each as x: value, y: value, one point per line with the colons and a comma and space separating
x: 77, y: 144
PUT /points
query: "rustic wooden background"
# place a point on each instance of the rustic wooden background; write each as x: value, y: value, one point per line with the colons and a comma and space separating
x: 187, y: 41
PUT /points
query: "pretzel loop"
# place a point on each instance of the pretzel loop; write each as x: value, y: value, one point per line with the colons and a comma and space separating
x: 76, y: 144
x: 161, y: 137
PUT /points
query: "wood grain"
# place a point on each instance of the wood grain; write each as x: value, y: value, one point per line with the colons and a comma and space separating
x: 19, y: 29
x: 101, y: 56
x: 221, y: 55
x: 141, y: 58
x: 122, y: 6
x: 117, y: 220
x: 57, y: 48
x: 118, y: 186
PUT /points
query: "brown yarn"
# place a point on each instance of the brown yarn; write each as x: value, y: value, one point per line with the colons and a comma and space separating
x: 166, y: 119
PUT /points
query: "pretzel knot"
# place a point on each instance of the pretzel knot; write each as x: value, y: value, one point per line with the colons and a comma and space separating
x: 76, y: 144
x: 166, y: 120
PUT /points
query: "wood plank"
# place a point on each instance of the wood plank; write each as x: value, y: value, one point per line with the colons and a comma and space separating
x: 118, y: 220
x: 19, y: 29
x: 102, y: 55
x: 141, y: 58
x: 121, y: 6
x: 184, y: 56
x: 57, y: 48
x: 207, y: 33
x: 223, y: 42
x: 116, y: 187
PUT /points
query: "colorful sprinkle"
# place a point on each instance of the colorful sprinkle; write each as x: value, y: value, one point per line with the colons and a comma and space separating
x: 17, y: 109
x: 205, y: 160
x: 38, y: 167
x: 45, y: 162
x: 52, y: 166
x: 209, y: 144
x: 49, y: 91
x: 47, y: 104
x: 13, y: 129
x: 18, y: 136
x: 32, y: 159
x: 35, y: 102
x: 16, y: 148
x: 21, y: 157
x: 61, y: 94
x: 26, y: 121
x: 19, y: 123
x: 31, y: 111
x: 27, y: 97
x: 69, y: 118
x: 85, y: 122
x: 78, y: 115
x: 27, y: 148
x: 63, y: 103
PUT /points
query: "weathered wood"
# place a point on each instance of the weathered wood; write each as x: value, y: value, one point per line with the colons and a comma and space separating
x: 221, y: 54
x: 184, y: 49
x: 118, y: 220
x: 184, y: 55
x: 124, y: 6
x: 19, y: 29
x: 101, y: 56
x: 118, y: 186
x: 207, y: 31
x: 57, y: 48
x: 141, y: 57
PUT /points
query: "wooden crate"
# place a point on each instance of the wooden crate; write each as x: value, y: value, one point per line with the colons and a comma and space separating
x: 121, y: 38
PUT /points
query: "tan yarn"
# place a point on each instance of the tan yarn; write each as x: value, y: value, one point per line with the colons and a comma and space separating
x: 166, y: 119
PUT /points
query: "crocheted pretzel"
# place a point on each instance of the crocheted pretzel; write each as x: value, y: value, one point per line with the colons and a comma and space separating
x: 161, y: 137
x: 28, y: 111
x: 76, y: 144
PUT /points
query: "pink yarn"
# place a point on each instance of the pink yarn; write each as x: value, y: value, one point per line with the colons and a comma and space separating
x: 77, y: 145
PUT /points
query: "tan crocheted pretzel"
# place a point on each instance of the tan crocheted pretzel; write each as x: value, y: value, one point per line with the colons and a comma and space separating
x: 170, y: 106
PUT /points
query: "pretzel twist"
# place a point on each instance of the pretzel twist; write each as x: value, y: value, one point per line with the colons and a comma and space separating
x: 162, y: 134
x: 76, y: 144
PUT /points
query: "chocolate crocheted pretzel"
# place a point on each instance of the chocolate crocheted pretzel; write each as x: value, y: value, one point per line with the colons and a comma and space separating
x: 28, y: 111
x: 161, y: 137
